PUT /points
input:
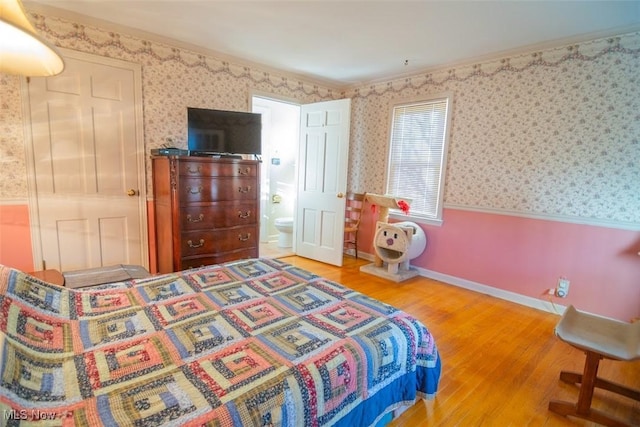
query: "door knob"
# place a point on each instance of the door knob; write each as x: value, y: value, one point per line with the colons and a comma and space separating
x: 340, y: 195
x: 131, y: 192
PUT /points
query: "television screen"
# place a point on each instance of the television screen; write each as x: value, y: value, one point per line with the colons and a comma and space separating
x: 224, y: 132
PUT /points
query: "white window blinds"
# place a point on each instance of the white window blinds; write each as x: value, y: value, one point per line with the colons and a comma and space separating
x: 418, y: 136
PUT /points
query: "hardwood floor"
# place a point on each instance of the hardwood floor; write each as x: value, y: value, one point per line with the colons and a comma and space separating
x: 271, y: 250
x: 501, y: 361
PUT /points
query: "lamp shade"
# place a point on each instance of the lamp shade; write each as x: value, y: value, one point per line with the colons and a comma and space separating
x: 22, y: 50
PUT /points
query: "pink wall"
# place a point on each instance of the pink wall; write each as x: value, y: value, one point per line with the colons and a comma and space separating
x: 151, y: 221
x: 527, y: 256
x: 512, y: 253
x: 15, y: 237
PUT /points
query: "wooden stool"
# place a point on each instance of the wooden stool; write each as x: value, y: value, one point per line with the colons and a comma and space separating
x: 599, y: 338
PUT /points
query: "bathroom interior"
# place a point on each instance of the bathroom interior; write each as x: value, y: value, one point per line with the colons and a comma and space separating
x: 278, y: 186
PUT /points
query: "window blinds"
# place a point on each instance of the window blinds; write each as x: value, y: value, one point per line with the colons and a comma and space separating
x: 416, y: 155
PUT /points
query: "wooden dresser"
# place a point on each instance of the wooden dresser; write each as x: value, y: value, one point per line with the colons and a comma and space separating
x: 206, y: 210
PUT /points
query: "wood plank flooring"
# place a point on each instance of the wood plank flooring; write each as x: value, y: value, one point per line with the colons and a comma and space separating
x: 501, y: 360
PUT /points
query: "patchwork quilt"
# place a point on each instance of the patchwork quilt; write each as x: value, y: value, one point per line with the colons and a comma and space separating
x: 252, y: 343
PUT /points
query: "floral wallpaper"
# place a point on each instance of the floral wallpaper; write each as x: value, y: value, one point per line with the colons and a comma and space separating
x: 555, y: 132
x: 172, y: 79
x: 13, y: 171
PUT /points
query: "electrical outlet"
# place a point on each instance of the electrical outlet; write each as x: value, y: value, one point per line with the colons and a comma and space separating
x: 562, y: 288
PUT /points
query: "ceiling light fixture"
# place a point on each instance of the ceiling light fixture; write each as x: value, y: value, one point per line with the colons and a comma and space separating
x: 22, y: 50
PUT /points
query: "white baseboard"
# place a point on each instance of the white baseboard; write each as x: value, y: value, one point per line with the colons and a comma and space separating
x: 494, y: 292
x: 517, y: 298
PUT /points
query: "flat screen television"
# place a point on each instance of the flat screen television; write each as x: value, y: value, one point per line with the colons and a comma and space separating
x: 219, y: 132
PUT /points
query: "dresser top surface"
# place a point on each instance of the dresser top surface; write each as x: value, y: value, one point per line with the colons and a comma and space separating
x: 208, y: 159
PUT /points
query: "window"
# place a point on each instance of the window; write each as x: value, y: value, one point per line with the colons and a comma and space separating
x: 417, y: 154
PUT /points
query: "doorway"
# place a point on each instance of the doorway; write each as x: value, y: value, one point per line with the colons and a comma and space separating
x: 280, y: 137
x: 85, y: 144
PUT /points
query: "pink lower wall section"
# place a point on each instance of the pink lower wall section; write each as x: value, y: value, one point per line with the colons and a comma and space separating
x: 516, y: 254
x: 527, y: 256
x: 151, y: 220
x: 15, y: 237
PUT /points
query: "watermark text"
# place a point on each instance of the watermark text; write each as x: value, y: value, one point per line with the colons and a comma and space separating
x: 28, y: 414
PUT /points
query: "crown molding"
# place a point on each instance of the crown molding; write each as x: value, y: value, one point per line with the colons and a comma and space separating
x: 519, y: 51
x: 77, y: 18
x: 335, y: 86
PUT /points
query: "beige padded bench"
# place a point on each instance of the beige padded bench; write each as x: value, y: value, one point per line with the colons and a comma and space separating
x: 599, y: 338
x: 101, y: 275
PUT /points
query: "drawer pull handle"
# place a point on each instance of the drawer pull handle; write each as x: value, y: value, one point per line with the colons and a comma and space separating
x: 191, y: 245
x: 196, y: 190
x: 200, y: 218
x: 244, y: 189
x: 244, y: 215
x: 244, y: 171
x: 244, y: 238
x: 196, y: 170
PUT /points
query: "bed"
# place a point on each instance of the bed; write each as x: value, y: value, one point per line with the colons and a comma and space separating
x: 254, y: 342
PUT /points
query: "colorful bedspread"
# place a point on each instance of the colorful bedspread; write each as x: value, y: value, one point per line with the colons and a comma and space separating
x: 252, y: 343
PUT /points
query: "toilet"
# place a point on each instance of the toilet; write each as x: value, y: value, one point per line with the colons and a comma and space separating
x: 285, y: 228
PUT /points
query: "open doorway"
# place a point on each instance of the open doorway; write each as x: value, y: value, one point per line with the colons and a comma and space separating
x: 280, y: 136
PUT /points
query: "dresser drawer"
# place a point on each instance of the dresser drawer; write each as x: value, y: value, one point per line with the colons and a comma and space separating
x: 202, y: 169
x: 201, y: 261
x: 206, y: 210
x: 204, y: 242
x: 215, y: 189
x: 218, y: 215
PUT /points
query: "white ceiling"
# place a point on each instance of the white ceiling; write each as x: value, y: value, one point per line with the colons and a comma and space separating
x: 349, y: 42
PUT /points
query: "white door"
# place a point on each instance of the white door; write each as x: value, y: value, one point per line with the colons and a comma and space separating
x: 265, y: 185
x: 88, y: 173
x: 322, y: 180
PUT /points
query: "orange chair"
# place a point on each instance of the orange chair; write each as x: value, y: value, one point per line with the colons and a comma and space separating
x: 353, y: 212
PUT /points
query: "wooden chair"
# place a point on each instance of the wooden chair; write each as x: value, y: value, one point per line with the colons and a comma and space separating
x: 599, y: 338
x: 353, y: 213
